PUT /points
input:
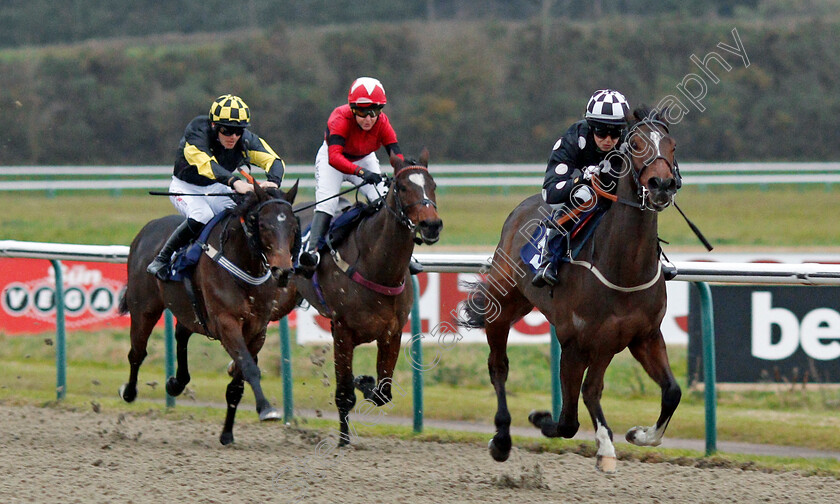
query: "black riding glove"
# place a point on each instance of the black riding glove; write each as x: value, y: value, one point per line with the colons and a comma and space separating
x: 369, y: 177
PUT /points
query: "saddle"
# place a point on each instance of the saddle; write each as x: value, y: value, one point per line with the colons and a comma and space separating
x: 563, y: 247
x: 343, y: 224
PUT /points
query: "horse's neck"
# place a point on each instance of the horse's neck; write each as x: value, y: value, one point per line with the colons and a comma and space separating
x: 385, y: 243
x: 627, y: 237
x: 233, y: 244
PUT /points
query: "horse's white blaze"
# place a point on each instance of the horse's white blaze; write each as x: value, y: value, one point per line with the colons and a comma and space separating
x: 656, y: 137
x: 281, y: 217
x: 602, y: 438
x: 420, y: 180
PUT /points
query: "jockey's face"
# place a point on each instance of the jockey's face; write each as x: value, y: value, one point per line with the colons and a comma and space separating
x: 229, y: 136
x: 366, y: 123
x: 605, y: 144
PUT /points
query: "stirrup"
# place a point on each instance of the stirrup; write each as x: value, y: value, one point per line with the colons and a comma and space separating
x: 544, y: 277
x: 414, y: 267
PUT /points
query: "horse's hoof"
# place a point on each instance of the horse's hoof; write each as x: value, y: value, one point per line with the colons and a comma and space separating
x: 126, y: 395
x: 270, y: 414
x: 343, y: 441
x: 606, y: 465
x: 173, y: 387
x: 226, y: 438
x: 538, y: 418
x: 364, y: 382
x: 497, y: 453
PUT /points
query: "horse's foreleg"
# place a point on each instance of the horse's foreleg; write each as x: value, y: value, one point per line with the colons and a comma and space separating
x: 141, y: 328
x: 176, y: 384
x: 233, y: 395
x: 387, y: 353
x: 572, y: 367
x: 345, y: 395
x: 652, y: 355
x: 593, y: 387
x: 246, y: 361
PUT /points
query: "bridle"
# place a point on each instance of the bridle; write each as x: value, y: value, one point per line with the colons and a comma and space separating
x: 250, y: 226
x: 656, y: 136
x: 400, y: 212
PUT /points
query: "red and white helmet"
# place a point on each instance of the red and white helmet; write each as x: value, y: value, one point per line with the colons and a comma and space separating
x: 366, y: 91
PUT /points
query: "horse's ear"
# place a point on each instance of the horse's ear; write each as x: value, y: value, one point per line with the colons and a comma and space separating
x: 396, y: 162
x: 259, y: 191
x: 663, y: 115
x: 424, y: 157
x: 292, y: 193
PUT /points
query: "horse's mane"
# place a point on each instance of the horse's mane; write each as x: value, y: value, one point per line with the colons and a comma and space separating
x: 244, y: 204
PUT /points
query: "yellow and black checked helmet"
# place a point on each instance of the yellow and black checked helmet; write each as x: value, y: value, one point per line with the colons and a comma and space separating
x: 230, y: 110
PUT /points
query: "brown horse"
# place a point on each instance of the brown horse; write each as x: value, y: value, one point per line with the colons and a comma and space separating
x: 361, y: 286
x: 610, y: 298
x: 234, y: 293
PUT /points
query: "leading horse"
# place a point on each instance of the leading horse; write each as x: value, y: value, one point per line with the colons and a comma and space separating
x: 249, y: 257
x: 611, y: 297
x: 361, y: 285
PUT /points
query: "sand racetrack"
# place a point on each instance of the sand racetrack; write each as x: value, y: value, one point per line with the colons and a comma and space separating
x: 54, y: 455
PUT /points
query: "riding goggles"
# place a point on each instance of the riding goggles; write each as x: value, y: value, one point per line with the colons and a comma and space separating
x: 372, y: 111
x: 231, y: 130
x: 604, y: 132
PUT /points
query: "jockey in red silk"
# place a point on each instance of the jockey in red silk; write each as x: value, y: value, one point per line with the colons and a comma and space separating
x: 576, y: 157
x: 212, y: 148
x: 355, y: 131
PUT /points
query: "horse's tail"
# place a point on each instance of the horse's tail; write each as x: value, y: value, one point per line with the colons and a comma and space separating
x: 123, y: 307
x: 472, y: 311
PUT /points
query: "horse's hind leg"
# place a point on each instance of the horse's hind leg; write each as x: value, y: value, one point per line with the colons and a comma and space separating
x: 141, y: 327
x: 652, y: 355
x: 176, y: 384
x: 498, y: 366
x: 345, y: 395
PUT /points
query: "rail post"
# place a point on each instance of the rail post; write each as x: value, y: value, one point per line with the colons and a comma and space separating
x: 417, y: 356
x: 556, y: 386
x: 169, y: 343
x: 60, y: 334
x: 286, y: 369
x: 707, y: 321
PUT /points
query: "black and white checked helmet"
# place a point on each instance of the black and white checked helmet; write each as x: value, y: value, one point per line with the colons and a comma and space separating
x: 608, y: 107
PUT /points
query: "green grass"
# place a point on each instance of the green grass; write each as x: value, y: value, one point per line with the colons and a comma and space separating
x: 458, y: 388
x: 779, y: 216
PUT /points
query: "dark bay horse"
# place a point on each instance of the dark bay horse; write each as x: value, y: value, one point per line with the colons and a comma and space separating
x: 611, y: 298
x: 234, y: 303
x: 371, y: 300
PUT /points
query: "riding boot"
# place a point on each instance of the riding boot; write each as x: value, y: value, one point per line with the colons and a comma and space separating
x: 183, y: 234
x: 547, y: 270
x: 310, y: 257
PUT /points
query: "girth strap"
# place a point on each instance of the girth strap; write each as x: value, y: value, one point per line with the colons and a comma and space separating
x: 364, y: 282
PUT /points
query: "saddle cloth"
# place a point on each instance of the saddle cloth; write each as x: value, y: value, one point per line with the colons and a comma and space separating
x: 185, y: 259
x: 563, y: 246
